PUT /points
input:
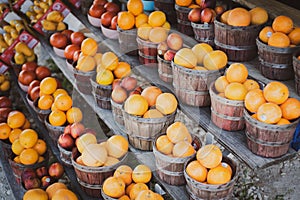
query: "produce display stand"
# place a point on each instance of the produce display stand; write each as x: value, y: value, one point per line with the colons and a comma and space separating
x: 235, y: 142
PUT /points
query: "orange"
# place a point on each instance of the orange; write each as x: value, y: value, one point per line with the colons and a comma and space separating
x: 265, y: 34
x: 123, y: 69
x: 148, y: 195
x: 166, y: 26
x: 276, y: 92
x: 84, y: 140
x: 215, y: 60
x: 136, y: 189
x: 235, y: 91
x: 200, y: 50
x: 136, y: 7
x: 254, y: 116
x: 283, y: 24
x: 128, y: 188
x: 226, y: 166
x: 14, y: 134
x: 94, y: 155
x: 183, y: 149
x: 15, y: 119
x: 58, y: 92
x: 29, y: 156
x: 254, y: 99
x: 98, y: 59
x: 141, y: 19
x: 218, y: 175
x: 51, y: 189
x: 28, y: 138
x: 157, y: 19
x: 124, y: 197
x: 251, y: 84
x: 177, y: 132
x: 26, y: 124
x: 40, y: 146
x: 35, y: 194
x: 290, y: 109
x: 136, y: 105
x: 164, y: 145
x: 74, y: 114
x: 57, y: 118
x: 150, y: 94
x: 41, y: 159
x: 166, y: 103
x: 109, y: 61
x: 144, y: 31
x: 141, y: 174
x: 4, y: 131
x: 221, y: 83
x: 294, y: 36
x: 117, y: 146
x: 89, y: 47
x: 17, y: 159
x: 158, y: 34
x: 63, y: 102
x: 258, y: 16
x: 196, y: 171
x: 114, y: 187
x: 124, y: 172
x: 126, y: 20
x: 194, y: 6
x: 185, y: 57
x: 224, y: 17
x: 279, y: 39
x: 104, y: 77
x: 283, y: 121
x: 209, y: 156
x: 239, y: 17
x: 153, y: 113
x: 48, y: 85
x: 269, y: 113
x: 45, y: 101
x: 185, y: 3
x: 64, y: 194
x: 236, y: 72
x: 86, y: 63
x: 16, y: 147
x: 111, y: 161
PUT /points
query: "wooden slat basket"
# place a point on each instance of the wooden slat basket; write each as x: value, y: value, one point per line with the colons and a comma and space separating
x: 101, y: 93
x: 204, y: 32
x: 54, y: 131
x: 82, y: 80
x: 117, y: 111
x: 142, y: 131
x: 191, y: 86
x: 238, y: 42
x: 170, y: 169
x: 165, y: 72
x: 225, y: 113
x: 147, y: 52
x: 92, y: 178
x: 183, y: 24
x: 6, y: 148
x: 65, y: 156
x: 198, y: 190
x: 276, y: 63
x: 268, y: 140
x: 296, y: 67
x: 168, y: 7
x: 127, y: 41
x: 42, y: 114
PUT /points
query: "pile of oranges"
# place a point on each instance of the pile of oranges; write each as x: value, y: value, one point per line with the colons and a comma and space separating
x: 281, y: 34
x: 60, y: 103
x: 127, y: 183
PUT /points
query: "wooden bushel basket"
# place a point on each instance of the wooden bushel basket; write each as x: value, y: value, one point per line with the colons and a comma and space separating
x: 184, y: 25
x: 170, y: 169
x: 198, y: 190
x: 54, y: 131
x: 168, y: 7
x: 276, y: 63
x: 296, y: 66
x: 147, y: 51
x: 268, y: 140
x: 101, y: 93
x: 165, y: 72
x: 83, y: 80
x: 127, y: 41
x: 6, y: 148
x: 65, y: 156
x: 238, y: 42
x: 142, y: 131
x: 191, y: 86
x: 91, y: 178
x: 204, y: 32
x: 117, y: 112
x: 42, y: 114
x: 225, y: 113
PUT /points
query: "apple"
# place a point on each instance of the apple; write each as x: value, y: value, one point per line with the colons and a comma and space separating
x: 207, y: 4
x: 4, y: 113
x: 5, y: 102
x: 66, y: 141
x: 31, y: 183
x: 207, y: 15
x: 33, y: 84
x: 67, y: 129
x: 137, y: 90
x: 128, y: 83
x: 56, y: 170
x: 77, y: 129
x: 194, y: 15
x: 34, y: 93
x: 169, y: 55
x: 41, y: 171
x: 162, y: 48
x: 219, y: 10
x: 46, y: 181
x: 119, y: 94
x: 115, y: 83
x: 174, y: 41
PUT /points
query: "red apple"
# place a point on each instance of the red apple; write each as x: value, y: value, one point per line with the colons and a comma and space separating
x: 169, y: 55
x: 207, y: 4
x: 29, y: 66
x: 113, y: 24
x: 46, y: 181
x: 115, y: 83
x: 174, y: 41
x: 32, y: 183
x: 33, y: 84
x: 34, y: 93
x: 5, y: 102
x: 77, y: 38
x: 119, y: 94
x: 77, y: 129
x: 66, y: 141
x: 137, y: 90
x: 194, y: 15
x: 207, y: 15
x: 28, y: 173
x: 162, y: 48
x: 41, y: 171
x: 67, y: 129
x: 96, y: 10
x: 56, y: 170
x: 128, y: 83
x: 219, y: 10
x: 4, y: 113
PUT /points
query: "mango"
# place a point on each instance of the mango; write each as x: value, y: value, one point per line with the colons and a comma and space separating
x: 55, y: 16
x: 8, y: 28
x: 48, y: 25
x: 38, y: 16
x: 6, y: 37
x: 19, y: 27
x: 14, y: 22
x: 14, y: 34
x: 61, y: 26
x: 37, y: 9
x: 19, y: 58
x: 30, y: 58
x: 21, y: 47
x: 44, y: 6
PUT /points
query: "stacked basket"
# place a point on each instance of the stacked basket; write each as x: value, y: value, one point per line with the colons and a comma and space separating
x: 296, y: 66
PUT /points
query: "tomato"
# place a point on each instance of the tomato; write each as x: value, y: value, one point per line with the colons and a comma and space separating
x: 58, y: 40
x: 106, y: 18
x: 70, y: 49
x: 96, y: 10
